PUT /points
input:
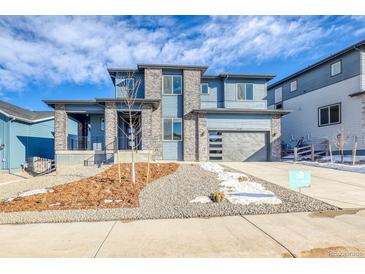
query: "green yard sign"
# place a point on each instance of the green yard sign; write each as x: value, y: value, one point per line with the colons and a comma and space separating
x: 299, y: 178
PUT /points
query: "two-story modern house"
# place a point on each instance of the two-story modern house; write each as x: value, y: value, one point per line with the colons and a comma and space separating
x: 184, y: 114
x: 325, y: 99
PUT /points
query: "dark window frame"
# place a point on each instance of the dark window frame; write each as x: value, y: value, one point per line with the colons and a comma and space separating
x: 172, y: 129
x: 329, y: 115
x: 172, y: 84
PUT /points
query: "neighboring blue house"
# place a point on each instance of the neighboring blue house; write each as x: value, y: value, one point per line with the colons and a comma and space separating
x: 25, y: 134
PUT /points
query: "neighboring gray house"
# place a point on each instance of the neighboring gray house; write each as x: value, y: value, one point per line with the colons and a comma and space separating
x: 185, y: 115
x: 325, y: 98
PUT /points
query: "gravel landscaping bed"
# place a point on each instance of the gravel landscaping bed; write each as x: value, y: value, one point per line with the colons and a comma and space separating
x: 170, y: 196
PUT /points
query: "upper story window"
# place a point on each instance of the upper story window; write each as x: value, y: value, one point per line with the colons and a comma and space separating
x: 293, y: 85
x: 244, y: 92
x: 127, y: 86
x: 329, y: 115
x: 172, y: 84
x: 172, y: 129
x: 204, y: 88
x: 336, y: 68
x: 278, y: 94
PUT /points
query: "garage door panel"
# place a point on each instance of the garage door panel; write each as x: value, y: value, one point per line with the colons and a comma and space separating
x: 242, y: 146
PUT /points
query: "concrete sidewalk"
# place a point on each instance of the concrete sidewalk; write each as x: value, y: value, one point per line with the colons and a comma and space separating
x: 339, y: 188
x: 336, y: 233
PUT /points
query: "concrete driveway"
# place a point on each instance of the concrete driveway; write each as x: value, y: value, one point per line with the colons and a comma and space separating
x: 336, y: 233
x: 340, y: 188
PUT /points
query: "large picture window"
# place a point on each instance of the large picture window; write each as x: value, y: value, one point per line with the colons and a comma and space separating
x: 244, y: 92
x: 172, y: 129
x: 172, y: 84
x: 329, y: 115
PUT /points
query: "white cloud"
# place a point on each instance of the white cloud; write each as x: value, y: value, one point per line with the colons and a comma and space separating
x: 68, y: 49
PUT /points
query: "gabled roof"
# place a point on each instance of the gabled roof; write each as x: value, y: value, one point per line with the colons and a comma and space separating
x: 22, y: 114
x: 310, y: 67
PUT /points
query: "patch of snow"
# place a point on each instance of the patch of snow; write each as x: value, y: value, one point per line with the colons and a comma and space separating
x: 108, y: 201
x: 338, y: 166
x: 35, y: 191
x: 237, y: 192
x: 346, y: 158
x: 201, y: 199
x: 9, y: 200
x: 212, y: 167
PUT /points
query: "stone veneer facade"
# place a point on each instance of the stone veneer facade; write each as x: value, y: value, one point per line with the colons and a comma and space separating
x: 147, y: 142
x: 202, y: 137
x: 276, y: 137
x: 61, y: 129
x: 110, y: 117
x: 191, y: 97
x: 153, y: 90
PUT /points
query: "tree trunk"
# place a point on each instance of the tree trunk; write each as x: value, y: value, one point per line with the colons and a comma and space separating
x: 132, y: 140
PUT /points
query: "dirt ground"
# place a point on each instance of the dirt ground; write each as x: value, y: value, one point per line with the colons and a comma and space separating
x: 101, y: 191
x: 334, y: 252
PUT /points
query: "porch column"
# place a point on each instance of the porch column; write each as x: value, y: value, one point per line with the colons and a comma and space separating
x: 110, y: 118
x: 153, y: 90
x: 147, y: 141
x: 60, y: 128
x: 191, y: 95
x: 276, y: 137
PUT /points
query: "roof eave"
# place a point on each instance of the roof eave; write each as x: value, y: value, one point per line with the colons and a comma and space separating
x: 329, y: 58
x: 29, y: 121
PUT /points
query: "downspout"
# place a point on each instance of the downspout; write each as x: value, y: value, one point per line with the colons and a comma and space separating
x: 224, y: 91
x: 9, y: 143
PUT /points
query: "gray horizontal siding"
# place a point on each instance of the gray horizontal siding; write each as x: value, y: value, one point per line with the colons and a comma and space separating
x: 239, y: 122
x: 84, y: 108
x: 363, y: 69
x: 215, y: 98
x: 246, y: 104
x: 172, y: 150
x: 205, y: 105
x: 172, y: 106
x: 320, y: 77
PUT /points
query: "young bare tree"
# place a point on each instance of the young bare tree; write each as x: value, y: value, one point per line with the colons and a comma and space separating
x: 129, y: 85
x: 340, y: 141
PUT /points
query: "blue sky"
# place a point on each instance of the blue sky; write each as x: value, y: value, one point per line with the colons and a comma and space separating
x: 65, y: 57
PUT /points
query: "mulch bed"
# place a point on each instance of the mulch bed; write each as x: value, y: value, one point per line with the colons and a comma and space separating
x: 101, y: 191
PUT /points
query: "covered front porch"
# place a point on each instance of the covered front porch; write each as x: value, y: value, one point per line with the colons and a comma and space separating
x: 104, y: 128
x: 91, y: 132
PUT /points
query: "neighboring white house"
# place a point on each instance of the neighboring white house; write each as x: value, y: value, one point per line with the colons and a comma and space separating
x: 325, y: 98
